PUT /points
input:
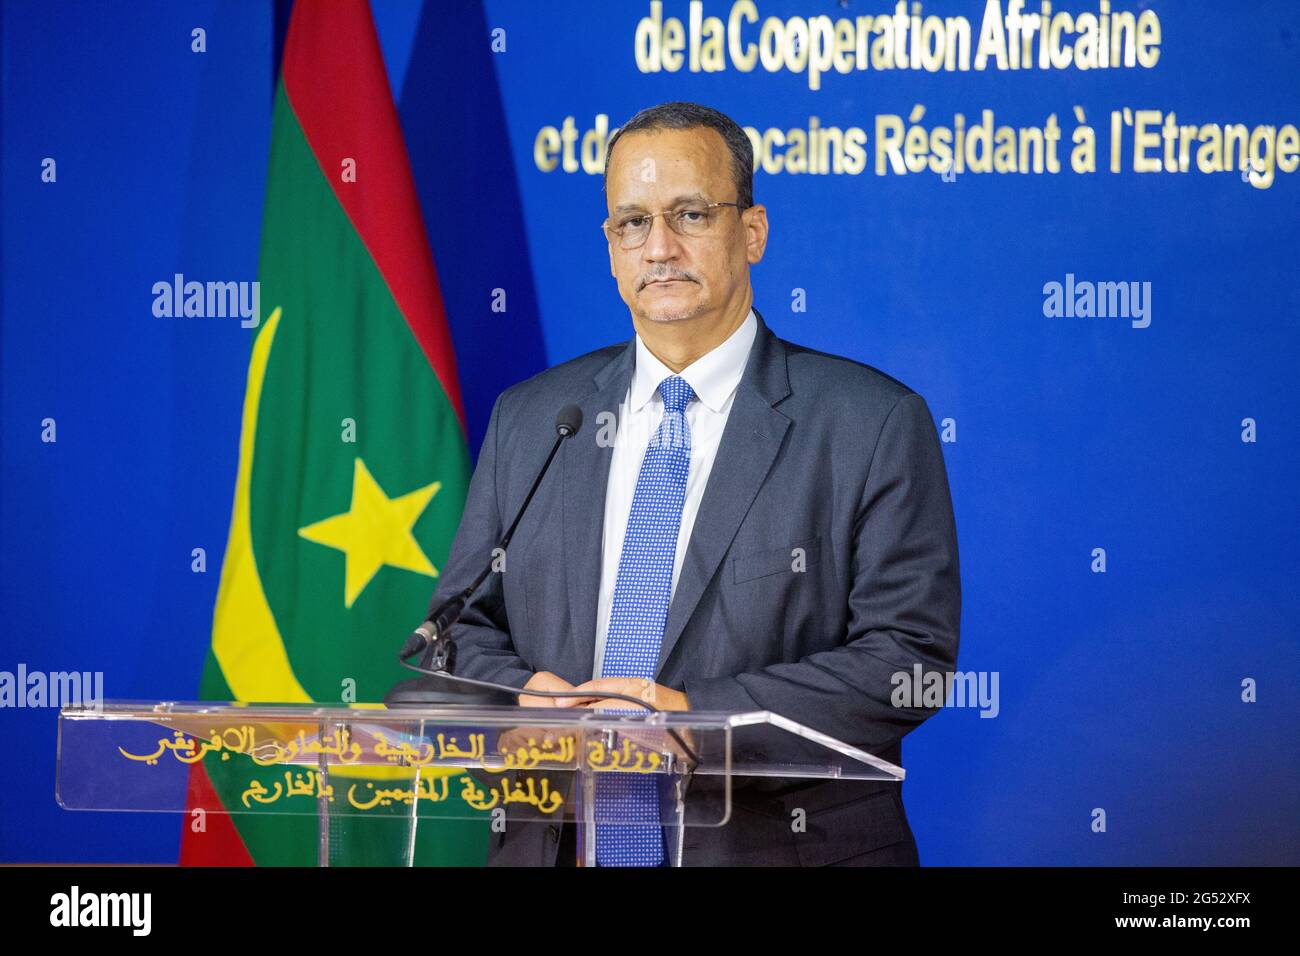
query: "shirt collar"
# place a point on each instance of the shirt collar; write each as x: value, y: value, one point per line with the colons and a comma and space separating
x: 713, y: 376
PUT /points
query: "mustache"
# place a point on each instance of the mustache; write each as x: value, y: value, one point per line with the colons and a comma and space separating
x: 659, y: 276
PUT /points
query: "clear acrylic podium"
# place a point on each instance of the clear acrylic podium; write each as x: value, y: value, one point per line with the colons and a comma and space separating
x: 426, y: 767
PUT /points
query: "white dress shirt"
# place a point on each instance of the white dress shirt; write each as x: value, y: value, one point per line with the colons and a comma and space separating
x: 714, y: 377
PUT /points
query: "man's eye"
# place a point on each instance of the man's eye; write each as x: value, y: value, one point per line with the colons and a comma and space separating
x: 632, y: 222
x: 691, y: 215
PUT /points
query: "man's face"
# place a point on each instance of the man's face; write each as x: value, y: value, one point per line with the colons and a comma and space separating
x: 673, y: 278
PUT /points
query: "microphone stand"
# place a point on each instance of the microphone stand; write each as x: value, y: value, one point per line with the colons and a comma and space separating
x: 440, y: 687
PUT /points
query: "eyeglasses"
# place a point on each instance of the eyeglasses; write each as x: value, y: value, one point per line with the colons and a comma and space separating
x: 692, y: 219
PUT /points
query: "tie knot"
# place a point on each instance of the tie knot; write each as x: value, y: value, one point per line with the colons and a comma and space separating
x: 676, y: 393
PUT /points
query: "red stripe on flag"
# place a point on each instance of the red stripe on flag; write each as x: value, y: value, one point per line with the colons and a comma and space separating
x: 334, y: 77
x: 220, y: 844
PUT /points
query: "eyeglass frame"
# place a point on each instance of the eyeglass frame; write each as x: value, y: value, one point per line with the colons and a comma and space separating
x: 606, y: 228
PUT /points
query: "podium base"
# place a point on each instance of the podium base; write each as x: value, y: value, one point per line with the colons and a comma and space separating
x: 437, y: 692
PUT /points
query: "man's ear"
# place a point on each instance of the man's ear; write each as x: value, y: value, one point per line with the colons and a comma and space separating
x: 610, y: 248
x: 755, y: 233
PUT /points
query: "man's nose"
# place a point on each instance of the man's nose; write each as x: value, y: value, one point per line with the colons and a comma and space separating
x: 662, y: 244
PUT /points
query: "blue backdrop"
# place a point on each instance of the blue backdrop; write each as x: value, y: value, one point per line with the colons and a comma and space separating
x: 1120, y: 690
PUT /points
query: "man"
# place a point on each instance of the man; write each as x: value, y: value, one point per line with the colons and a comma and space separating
x: 770, y: 530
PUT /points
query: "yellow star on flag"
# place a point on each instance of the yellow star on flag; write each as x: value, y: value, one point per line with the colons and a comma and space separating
x: 374, y: 532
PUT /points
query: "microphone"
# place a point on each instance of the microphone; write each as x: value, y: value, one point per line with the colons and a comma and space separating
x: 433, y: 631
x: 567, y: 421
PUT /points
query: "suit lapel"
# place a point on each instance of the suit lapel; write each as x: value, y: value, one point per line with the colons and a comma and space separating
x: 750, y: 443
x: 586, y: 474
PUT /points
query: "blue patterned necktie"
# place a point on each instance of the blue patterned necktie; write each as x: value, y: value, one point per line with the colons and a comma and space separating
x: 636, y: 623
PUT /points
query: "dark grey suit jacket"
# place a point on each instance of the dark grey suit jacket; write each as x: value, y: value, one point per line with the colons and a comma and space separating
x: 819, y: 452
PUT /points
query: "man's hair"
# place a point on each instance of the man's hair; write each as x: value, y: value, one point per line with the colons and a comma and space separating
x: 680, y: 115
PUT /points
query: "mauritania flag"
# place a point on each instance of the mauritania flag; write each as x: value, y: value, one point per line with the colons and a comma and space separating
x: 353, y: 466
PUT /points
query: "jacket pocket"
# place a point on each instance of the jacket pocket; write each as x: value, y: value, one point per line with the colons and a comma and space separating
x: 760, y: 564
x: 851, y: 829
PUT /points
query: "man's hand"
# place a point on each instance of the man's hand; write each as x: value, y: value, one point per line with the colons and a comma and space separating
x: 545, y: 680
x: 593, y: 693
x: 517, y: 737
